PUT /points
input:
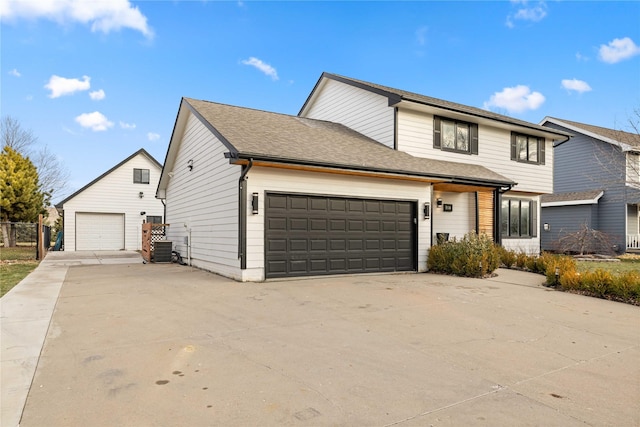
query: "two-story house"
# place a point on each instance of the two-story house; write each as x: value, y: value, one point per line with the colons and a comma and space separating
x: 365, y: 179
x: 596, y: 185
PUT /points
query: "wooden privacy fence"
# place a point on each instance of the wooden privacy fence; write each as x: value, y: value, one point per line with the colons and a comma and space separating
x: 151, y: 233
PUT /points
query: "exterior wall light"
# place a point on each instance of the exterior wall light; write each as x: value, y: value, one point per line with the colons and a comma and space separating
x: 439, y: 203
x: 254, y: 203
x: 426, y: 210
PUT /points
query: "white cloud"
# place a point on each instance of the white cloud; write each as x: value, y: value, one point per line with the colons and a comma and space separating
x: 581, y: 57
x: 95, y: 121
x: 534, y: 13
x: 104, y: 16
x: 515, y: 99
x: 128, y: 126
x: 421, y: 35
x: 15, y: 73
x: 618, y: 50
x: 153, y: 136
x: 60, y: 86
x: 576, y: 85
x: 262, y: 66
x: 97, y: 95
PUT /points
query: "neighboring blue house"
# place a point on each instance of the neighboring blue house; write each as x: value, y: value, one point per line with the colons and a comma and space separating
x: 596, y: 183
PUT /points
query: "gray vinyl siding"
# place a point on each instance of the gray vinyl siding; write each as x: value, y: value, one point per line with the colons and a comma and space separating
x: 564, y: 220
x: 585, y: 163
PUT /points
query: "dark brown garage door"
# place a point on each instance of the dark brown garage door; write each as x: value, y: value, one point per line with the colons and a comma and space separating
x: 316, y: 235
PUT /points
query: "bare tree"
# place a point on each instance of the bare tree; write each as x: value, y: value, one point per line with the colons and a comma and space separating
x: 585, y: 241
x: 620, y: 160
x: 53, y: 175
x: 16, y: 137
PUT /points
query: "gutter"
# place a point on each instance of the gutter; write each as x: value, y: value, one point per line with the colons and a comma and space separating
x: 562, y: 142
x: 445, y: 178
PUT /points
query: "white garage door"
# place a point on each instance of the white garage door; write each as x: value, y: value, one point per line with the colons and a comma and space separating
x: 99, y: 232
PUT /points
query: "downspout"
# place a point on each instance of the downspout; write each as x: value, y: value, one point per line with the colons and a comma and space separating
x: 242, y: 215
x: 497, y: 196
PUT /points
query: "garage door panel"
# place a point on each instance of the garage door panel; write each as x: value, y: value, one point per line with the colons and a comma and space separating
x: 337, y: 225
x: 318, y: 245
x: 299, y: 203
x: 316, y: 224
x: 332, y: 235
x: 318, y: 265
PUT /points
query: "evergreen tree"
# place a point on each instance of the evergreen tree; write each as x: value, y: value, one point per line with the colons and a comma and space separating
x: 21, y: 199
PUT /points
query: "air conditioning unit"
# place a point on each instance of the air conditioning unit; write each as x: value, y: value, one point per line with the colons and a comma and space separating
x: 162, y: 251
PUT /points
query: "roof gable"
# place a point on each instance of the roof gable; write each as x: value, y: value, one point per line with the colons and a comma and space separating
x: 625, y: 140
x: 395, y: 96
x: 140, y: 152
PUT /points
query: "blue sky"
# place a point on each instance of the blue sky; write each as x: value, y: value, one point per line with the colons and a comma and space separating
x: 97, y: 80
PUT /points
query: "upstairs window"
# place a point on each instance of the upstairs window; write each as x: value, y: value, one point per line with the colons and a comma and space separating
x: 455, y: 135
x: 527, y: 149
x: 141, y: 176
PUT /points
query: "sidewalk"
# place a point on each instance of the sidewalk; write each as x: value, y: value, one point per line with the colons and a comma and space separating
x: 25, y: 314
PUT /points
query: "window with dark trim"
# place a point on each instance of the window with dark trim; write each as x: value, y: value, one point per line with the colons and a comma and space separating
x: 527, y: 148
x: 153, y: 219
x: 141, y: 176
x: 519, y: 218
x: 455, y: 135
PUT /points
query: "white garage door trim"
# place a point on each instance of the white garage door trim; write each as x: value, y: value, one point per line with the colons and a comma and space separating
x: 99, y: 231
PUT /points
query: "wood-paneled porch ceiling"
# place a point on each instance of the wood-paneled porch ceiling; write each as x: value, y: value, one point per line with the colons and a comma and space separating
x: 460, y: 188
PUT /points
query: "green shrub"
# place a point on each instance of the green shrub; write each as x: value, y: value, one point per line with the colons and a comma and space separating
x: 627, y: 285
x: 598, y: 282
x: 564, y: 264
x: 507, y: 257
x: 521, y: 259
x: 570, y: 280
x: 472, y: 256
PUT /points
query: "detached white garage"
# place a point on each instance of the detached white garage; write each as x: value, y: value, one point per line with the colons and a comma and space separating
x: 99, y: 231
x: 107, y: 214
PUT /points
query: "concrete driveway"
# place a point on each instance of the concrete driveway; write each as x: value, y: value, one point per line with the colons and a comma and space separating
x: 168, y: 345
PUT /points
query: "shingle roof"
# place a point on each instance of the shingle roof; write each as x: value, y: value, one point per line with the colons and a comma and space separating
x: 277, y: 137
x: 575, y: 196
x: 396, y: 95
x: 631, y: 139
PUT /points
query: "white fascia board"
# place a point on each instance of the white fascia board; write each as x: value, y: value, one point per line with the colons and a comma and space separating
x: 622, y: 145
x: 593, y: 201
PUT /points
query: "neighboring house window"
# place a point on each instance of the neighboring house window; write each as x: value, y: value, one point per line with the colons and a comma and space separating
x: 141, y: 176
x: 154, y: 219
x: 519, y: 218
x: 454, y: 135
x: 527, y: 148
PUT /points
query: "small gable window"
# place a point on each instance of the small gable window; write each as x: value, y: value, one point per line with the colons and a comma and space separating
x: 141, y: 176
x: 527, y: 148
x: 455, y: 135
